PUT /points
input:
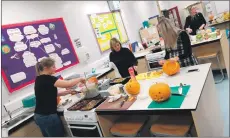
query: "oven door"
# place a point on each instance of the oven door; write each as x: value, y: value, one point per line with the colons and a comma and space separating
x: 85, y: 130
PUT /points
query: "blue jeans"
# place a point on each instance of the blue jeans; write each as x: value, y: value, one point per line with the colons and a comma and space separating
x: 50, y: 125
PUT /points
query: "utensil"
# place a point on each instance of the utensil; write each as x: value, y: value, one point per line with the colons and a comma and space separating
x: 125, y: 99
x: 180, y: 90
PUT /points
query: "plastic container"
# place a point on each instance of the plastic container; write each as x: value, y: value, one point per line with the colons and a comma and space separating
x: 29, y: 101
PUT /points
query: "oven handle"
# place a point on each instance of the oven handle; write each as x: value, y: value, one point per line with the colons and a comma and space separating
x: 89, y: 128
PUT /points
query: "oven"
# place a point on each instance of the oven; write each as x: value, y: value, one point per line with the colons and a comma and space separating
x: 79, y: 129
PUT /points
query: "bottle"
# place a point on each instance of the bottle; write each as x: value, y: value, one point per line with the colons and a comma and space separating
x: 132, y: 73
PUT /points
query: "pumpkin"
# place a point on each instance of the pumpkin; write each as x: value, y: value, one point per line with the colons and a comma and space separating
x: 93, y: 80
x: 171, y: 67
x: 159, y: 92
x: 133, y: 87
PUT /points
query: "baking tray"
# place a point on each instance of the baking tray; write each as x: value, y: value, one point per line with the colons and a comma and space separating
x: 122, y: 82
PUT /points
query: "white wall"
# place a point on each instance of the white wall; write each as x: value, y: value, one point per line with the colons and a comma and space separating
x: 134, y: 13
x: 77, y: 23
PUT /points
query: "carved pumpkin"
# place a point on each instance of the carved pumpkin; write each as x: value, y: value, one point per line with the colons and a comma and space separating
x: 171, y: 67
x: 133, y: 87
x: 159, y: 92
x: 93, y: 80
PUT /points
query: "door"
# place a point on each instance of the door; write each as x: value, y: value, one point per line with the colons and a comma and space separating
x: 80, y: 130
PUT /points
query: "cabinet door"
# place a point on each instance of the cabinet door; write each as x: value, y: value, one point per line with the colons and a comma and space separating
x: 142, y: 66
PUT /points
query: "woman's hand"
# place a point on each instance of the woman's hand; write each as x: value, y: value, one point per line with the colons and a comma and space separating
x: 174, y: 59
x: 82, y: 80
x: 189, y: 30
x: 202, y: 27
x: 161, y: 62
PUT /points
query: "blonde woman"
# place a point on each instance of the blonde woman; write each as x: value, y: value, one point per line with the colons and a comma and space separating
x: 195, y: 21
x: 123, y: 58
x: 177, y: 44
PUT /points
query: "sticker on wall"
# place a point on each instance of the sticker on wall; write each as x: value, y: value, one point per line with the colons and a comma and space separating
x: 52, y: 26
x: 32, y: 36
x: 15, y: 56
x: 28, y: 30
x: 18, y: 77
x: 57, y: 45
x: 5, y: 49
x: 45, y: 40
x: 49, y: 48
x: 29, y: 59
x: 65, y: 51
x: 67, y: 63
x: 20, y: 46
x: 55, y: 36
x: 43, y: 29
x: 35, y: 44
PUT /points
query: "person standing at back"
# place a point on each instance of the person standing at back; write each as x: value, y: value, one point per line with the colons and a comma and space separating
x: 46, y: 98
x: 195, y: 21
x: 123, y: 58
x: 177, y: 44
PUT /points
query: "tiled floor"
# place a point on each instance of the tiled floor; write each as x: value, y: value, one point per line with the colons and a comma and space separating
x: 223, y: 90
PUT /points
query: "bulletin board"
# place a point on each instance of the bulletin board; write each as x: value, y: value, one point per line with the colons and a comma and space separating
x: 106, y: 26
x: 25, y: 44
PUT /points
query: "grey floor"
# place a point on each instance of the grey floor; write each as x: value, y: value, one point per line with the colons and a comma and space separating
x: 223, y: 90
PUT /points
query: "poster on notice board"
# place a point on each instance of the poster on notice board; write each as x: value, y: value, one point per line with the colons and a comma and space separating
x: 25, y: 44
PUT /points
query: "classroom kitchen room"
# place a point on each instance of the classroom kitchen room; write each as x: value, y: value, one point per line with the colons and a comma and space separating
x: 115, y: 68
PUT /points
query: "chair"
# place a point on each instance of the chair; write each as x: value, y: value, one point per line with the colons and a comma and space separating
x: 130, y: 126
x: 172, y: 126
x: 210, y: 56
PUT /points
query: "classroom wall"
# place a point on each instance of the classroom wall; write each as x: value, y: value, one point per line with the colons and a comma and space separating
x: 77, y: 23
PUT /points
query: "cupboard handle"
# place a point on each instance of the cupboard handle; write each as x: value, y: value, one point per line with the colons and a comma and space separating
x: 89, y: 128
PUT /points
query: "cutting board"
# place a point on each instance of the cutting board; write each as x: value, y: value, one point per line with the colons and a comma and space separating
x: 116, y: 104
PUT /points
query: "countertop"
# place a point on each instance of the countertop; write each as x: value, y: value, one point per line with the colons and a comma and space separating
x: 191, y: 100
x: 215, y: 24
x: 195, y: 44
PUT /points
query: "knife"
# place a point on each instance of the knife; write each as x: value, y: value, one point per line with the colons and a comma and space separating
x: 125, y: 99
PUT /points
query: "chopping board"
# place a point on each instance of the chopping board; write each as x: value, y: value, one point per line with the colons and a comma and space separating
x: 116, y: 104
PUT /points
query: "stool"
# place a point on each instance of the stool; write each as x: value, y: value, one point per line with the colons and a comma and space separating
x: 213, y: 55
x: 130, y: 126
x: 172, y: 126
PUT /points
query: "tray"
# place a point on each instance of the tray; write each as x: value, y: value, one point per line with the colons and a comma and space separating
x: 124, y: 81
x: 115, y: 105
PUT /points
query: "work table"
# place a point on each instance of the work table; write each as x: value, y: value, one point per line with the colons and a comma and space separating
x: 201, y: 102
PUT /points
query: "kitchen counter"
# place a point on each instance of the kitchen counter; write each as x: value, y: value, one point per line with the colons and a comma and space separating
x: 201, y: 102
x: 216, y: 24
x: 196, y: 44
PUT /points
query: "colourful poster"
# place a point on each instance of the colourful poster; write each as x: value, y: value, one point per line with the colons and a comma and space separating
x: 107, y: 26
x: 25, y: 44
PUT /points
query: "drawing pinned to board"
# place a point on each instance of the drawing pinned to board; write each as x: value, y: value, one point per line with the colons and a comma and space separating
x: 29, y: 59
x: 67, y: 63
x: 49, y: 48
x: 20, y: 46
x: 28, y: 30
x: 43, y: 29
x: 15, y: 56
x: 35, y: 44
x: 39, y: 60
x: 17, y: 77
x: 52, y: 26
x: 5, y: 49
x: 15, y: 34
x: 105, y: 25
x: 65, y: 51
x: 55, y: 37
x: 45, y: 40
x: 58, y: 60
x: 58, y: 45
x: 98, y: 33
x: 3, y: 39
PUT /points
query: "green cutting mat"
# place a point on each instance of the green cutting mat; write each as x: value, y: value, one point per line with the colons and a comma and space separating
x: 174, y: 101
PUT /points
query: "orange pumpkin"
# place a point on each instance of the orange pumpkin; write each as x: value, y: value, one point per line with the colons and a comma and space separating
x: 93, y: 80
x: 159, y: 92
x: 133, y: 87
x: 171, y: 67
